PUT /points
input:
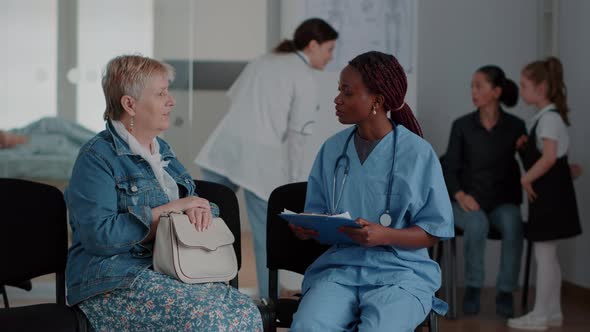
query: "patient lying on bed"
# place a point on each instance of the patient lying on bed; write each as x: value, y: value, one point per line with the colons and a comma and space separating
x: 45, y: 149
x: 9, y: 140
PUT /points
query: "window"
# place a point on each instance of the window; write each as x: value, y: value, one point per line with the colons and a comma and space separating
x: 28, y: 61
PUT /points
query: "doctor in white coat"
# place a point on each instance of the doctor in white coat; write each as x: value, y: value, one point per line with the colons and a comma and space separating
x: 259, y: 145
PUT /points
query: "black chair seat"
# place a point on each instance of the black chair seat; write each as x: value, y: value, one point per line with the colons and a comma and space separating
x: 41, y: 317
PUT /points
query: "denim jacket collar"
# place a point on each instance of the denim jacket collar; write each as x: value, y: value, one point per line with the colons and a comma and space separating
x: 122, y: 148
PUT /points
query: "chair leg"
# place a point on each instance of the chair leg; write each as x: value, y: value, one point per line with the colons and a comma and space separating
x: 446, y: 257
x: 433, y: 320
x: 439, y: 251
x: 4, y: 296
x: 449, y: 257
x: 454, y: 277
x: 60, y: 288
x: 273, y: 291
x: 527, y: 272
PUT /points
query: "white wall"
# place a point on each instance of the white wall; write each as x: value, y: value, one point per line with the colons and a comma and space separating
x: 574, y: 51
x: 293, y: 12
x: 455, y: 37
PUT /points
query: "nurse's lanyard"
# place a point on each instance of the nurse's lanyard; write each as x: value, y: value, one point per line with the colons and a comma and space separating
x: 385, y: 218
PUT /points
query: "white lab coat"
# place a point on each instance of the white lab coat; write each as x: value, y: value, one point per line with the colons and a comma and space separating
x: 259, y: 144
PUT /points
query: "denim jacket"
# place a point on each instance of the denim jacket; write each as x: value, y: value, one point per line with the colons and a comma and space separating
x: 109, y: 199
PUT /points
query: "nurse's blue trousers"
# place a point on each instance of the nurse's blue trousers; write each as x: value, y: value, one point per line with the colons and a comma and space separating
x: 330, y: 306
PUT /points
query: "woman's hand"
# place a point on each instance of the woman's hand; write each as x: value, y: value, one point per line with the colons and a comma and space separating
x: 199, y: 217
x: 521, y: 142
x: 575, y: 170
x: 197, y: 209
x: 467, y: 202
x: 528, y: 187
x: 303, y: 233
x: 369, y: 235
x: 190, y: 202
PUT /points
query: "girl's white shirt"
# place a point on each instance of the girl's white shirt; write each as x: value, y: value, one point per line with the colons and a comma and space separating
x: 550, y: 126
x: 154, y: 159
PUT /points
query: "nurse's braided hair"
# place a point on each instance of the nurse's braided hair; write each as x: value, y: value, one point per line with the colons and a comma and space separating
x: 382, y: 74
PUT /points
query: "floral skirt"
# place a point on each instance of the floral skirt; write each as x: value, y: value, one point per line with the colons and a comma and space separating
x: 157, y: 302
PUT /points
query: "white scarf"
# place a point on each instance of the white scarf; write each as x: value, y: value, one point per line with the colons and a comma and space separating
x: 154, y: 159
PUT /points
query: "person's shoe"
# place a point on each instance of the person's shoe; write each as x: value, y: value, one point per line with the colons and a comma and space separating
x: 505, y: 304
x: 555, y: 320
x: 471, y: 301
x: 529, y: 321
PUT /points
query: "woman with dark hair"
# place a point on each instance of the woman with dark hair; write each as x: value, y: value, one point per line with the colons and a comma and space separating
x: 259, y: 144
x: 389, y: 179
x: 482, y: 175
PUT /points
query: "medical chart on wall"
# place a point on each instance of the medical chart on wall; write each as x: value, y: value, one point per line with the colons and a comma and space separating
x: 365, y: 25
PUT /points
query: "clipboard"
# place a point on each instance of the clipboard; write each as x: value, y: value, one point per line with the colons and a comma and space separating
x: 326, y: 226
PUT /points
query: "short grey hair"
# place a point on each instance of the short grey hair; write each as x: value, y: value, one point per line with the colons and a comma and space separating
x: 126, y: 75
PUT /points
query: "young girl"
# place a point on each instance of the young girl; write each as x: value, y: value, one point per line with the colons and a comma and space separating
x: 390, y: 181
x: 548, y: 183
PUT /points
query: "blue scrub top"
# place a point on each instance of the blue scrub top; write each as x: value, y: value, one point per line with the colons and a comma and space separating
x: 419, y: 197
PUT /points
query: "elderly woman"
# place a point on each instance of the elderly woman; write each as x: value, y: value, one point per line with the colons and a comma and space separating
x: 123, y: 180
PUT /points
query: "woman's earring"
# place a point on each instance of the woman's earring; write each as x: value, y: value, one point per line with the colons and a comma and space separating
x: 131, y: 125
x: 374, y: 110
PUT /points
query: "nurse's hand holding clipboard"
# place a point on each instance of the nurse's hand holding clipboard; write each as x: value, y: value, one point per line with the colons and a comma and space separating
x: 369, y: 235
x: 374, y: 234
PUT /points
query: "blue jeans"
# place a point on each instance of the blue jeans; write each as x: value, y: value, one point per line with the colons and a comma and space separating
x: 257, y: 208
x: 507, y: 221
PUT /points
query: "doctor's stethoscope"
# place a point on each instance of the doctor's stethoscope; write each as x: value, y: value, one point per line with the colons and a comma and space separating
x: 385, y: 218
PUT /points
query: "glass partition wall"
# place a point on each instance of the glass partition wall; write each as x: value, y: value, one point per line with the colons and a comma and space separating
x: 54, y: 53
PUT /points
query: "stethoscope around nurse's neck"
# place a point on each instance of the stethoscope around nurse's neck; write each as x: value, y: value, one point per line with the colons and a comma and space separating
x: 385, y: 218
x: 303, y: 57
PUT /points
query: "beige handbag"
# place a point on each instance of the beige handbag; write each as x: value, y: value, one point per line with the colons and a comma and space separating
x: 194, y: 257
